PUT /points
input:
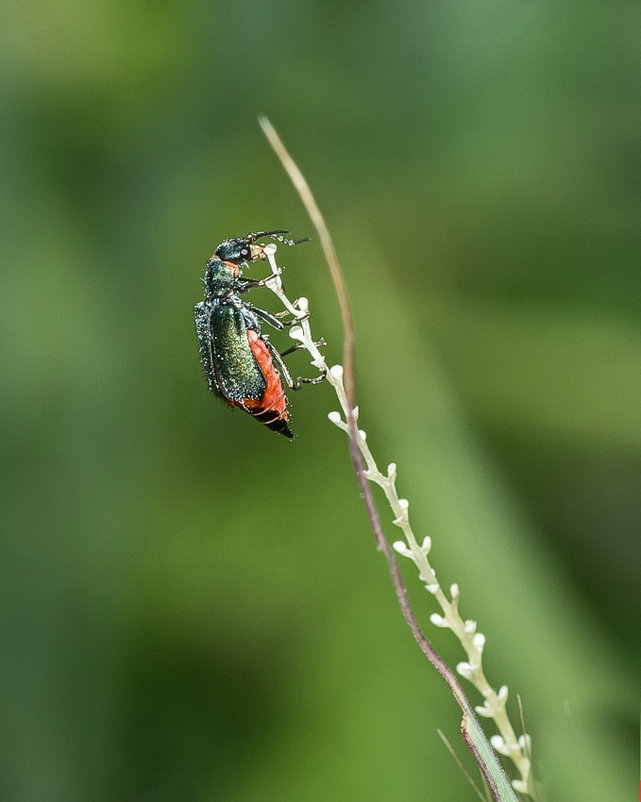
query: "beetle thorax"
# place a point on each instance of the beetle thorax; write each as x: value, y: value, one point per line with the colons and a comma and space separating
x: 220, y: 278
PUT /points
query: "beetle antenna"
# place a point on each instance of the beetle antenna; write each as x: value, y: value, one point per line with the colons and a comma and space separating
x: 289, y: 241
x: 277, y: 235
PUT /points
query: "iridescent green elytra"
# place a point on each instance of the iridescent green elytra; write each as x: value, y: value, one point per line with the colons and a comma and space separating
x: 230, y: 367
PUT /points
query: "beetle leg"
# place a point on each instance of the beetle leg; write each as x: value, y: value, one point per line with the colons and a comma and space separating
x: 250, y: 313
x: 248, y: 284
x: 301, y: 380
x: 251, y: 283
x: 294, y: 384
x: 266, y: 316
x: 294, y: 320
x: 291, y: 349
x: 300, y: 346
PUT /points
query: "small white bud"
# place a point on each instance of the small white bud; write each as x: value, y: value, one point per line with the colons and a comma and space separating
x: 469, y: 626
x: 525, y: 742
x: 439, y: 621
x: 507, y: 748
x: 362, y: 434
x: 391, y: 470
x: 478, y: 641
x: 432, y: 588
x: 303, y: 304
x: 335, y: 418
x: 401, y: 547
x: 336, y: 372
x: 485, y: 710
x: 499, y: 744
x: 455, y: 591
x: 465, y: 670
x: 270, y: 249
x: 502, y: 694
x: 355, y: 412
x: 520, y: 786
x: 296, y: 333
x: 404, y: 504
x: 426, y: 545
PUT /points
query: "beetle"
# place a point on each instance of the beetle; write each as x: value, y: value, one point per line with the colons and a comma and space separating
x: 241, y: 365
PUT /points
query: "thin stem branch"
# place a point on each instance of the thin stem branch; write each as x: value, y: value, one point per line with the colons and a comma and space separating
x: 336, y: 271
x: 365, y: 466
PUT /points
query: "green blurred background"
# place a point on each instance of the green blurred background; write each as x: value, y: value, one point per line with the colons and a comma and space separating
x: 192, y: 607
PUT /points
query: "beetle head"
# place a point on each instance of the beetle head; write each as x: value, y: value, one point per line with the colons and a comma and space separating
x: 236, y: 250
x: 241, y: 250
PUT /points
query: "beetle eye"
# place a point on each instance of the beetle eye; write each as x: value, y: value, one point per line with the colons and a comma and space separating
x: 244, y: 252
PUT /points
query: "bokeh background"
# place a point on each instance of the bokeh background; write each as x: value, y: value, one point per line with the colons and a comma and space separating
x: 192, y: 607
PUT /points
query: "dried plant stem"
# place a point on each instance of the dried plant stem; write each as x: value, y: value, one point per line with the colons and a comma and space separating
x: 341, y: 379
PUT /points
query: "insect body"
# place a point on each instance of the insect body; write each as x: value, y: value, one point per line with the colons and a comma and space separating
x: 241, y: 366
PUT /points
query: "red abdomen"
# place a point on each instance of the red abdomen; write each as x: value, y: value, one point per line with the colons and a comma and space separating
x: 271, y: 409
